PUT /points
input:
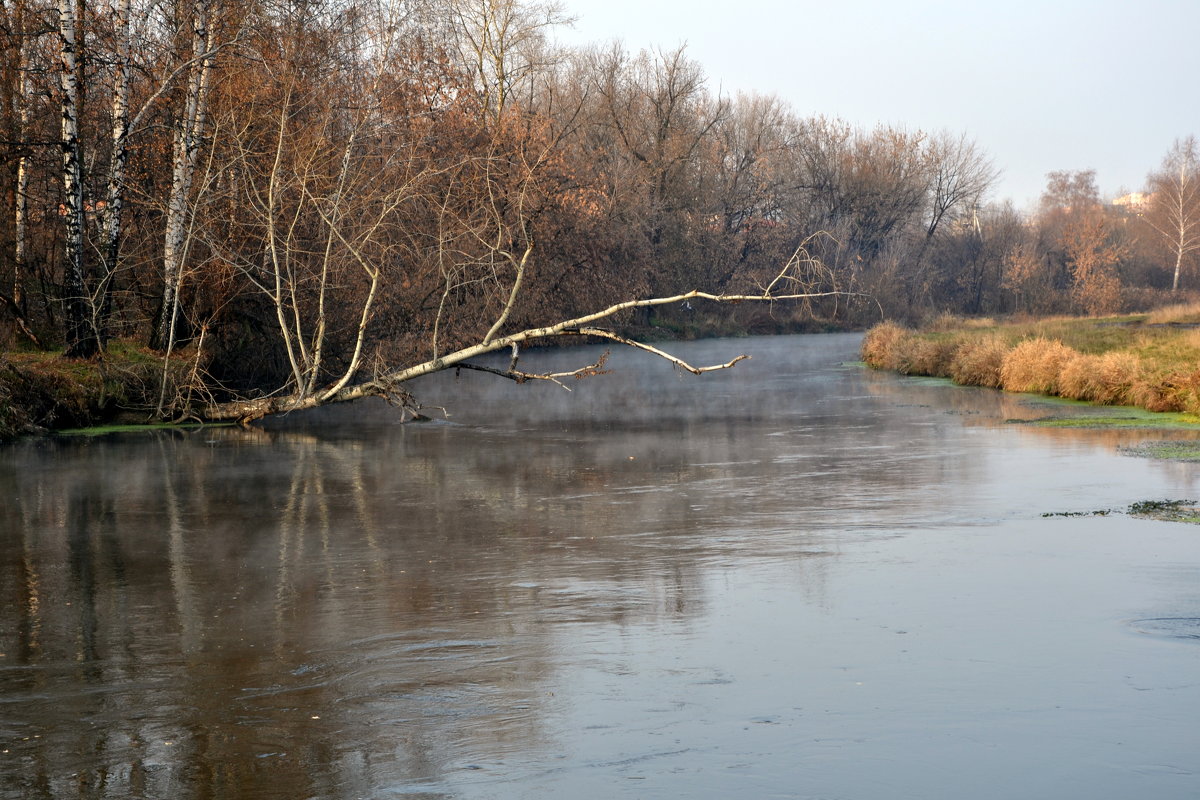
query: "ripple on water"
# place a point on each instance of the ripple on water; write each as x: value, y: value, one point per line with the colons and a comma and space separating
x: 1170, y: 627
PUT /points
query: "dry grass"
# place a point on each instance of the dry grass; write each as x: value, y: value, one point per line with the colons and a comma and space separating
x: 1112, y: 361
x: 921, y: 356
x: 1107, y: 379
x: 43, y: 390
x: 1035, y: 365
x: 1180, y: 313
x: 977, y: 362
x: 880, y: 344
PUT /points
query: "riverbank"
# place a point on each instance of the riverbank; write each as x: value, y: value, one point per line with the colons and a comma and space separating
x: 1151, y: 361
x: 41, y: 390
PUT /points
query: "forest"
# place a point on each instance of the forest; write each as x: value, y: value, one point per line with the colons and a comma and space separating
x: 283, y: 201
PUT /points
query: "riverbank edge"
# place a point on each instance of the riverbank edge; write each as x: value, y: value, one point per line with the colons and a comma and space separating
x: 1114, y: 361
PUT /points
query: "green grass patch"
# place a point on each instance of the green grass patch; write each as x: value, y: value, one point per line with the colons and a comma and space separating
x: 924, y: 380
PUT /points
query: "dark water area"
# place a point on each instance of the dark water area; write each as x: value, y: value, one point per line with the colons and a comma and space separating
x: 792, y: 579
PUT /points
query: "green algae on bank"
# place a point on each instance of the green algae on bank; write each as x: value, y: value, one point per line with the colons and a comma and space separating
x: 1165, y: 510
x: 1078, y: 413
x: 1168, y: 510
x: 1166, y: 451
x: 1110, y: 421
x: 103, y: 430
x: 1115, y: 417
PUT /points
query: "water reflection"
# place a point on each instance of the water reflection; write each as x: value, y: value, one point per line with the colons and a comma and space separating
x: 341, y: 606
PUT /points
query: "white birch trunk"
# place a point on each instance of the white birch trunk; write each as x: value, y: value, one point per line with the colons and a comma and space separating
x: 21, y: 201
x: 114, y: 200
x: 189, y: 131
x: 81, y: 339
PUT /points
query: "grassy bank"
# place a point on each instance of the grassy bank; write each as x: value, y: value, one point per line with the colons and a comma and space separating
x: 43, y: 391
x: 1147, y: 360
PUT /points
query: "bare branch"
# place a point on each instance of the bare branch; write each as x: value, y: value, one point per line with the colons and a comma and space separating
x: 679, y: 362
x: 521, y: 377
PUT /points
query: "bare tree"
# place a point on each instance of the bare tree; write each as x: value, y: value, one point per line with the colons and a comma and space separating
x: 114, y: 199
x: 20, y: 102
x: 23, y: 27
x: 960, y: 175
x: 1175, y: 203
x: 503, y: 44
x: 755, y: 166
x: 1093, y: 257
x: 1080, y: 236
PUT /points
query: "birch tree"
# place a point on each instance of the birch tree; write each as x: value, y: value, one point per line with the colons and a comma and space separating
x: 1174, y: 211
x: 20, y: 111
x: 114, y: 198
x: 81, y: 336
x: 187, y: 137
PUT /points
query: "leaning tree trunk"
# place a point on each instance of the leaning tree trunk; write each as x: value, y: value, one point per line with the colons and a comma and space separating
x: 81, y: 341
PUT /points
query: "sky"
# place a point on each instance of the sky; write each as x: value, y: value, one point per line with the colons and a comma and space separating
x: 1041, y: 85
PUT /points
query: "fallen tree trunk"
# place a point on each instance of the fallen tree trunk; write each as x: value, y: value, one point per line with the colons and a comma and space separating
x: 389, y: 385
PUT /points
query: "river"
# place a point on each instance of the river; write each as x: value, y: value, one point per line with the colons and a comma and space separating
x: 796, y: 578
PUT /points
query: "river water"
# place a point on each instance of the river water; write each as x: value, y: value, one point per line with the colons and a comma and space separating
x: 793, y: 579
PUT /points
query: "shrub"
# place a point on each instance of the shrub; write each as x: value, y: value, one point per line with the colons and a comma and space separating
x: 1108, y: 379
x: 880, y: 344
x: 916, y: 355
x: 977, y: 362
x: 1182, y: 391
x: 1034, y: 365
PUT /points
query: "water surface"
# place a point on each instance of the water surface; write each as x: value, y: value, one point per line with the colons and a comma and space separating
x: 796, y: 578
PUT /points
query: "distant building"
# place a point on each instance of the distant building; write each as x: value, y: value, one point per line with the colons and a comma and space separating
x: 1136, y: 202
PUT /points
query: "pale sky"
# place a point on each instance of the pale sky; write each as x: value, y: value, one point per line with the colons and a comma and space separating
x: 1041, y: 85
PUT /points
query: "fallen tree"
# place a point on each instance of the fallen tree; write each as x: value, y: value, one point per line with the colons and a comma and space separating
x: 802, y: 279
x: 389, y: 385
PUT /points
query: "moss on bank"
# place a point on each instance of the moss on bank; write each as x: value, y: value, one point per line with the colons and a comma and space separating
x: 42, y: 391
x: 1151, y: 362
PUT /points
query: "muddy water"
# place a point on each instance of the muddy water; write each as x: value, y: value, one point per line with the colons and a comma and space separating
x: 792, y: 579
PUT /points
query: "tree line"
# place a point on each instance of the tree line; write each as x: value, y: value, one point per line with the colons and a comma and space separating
x: 307, y: 193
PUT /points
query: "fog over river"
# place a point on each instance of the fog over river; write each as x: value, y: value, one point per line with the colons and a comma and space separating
x: 796, y: 578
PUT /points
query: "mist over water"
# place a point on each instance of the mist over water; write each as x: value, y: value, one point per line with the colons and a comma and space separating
x: 795, y: 578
